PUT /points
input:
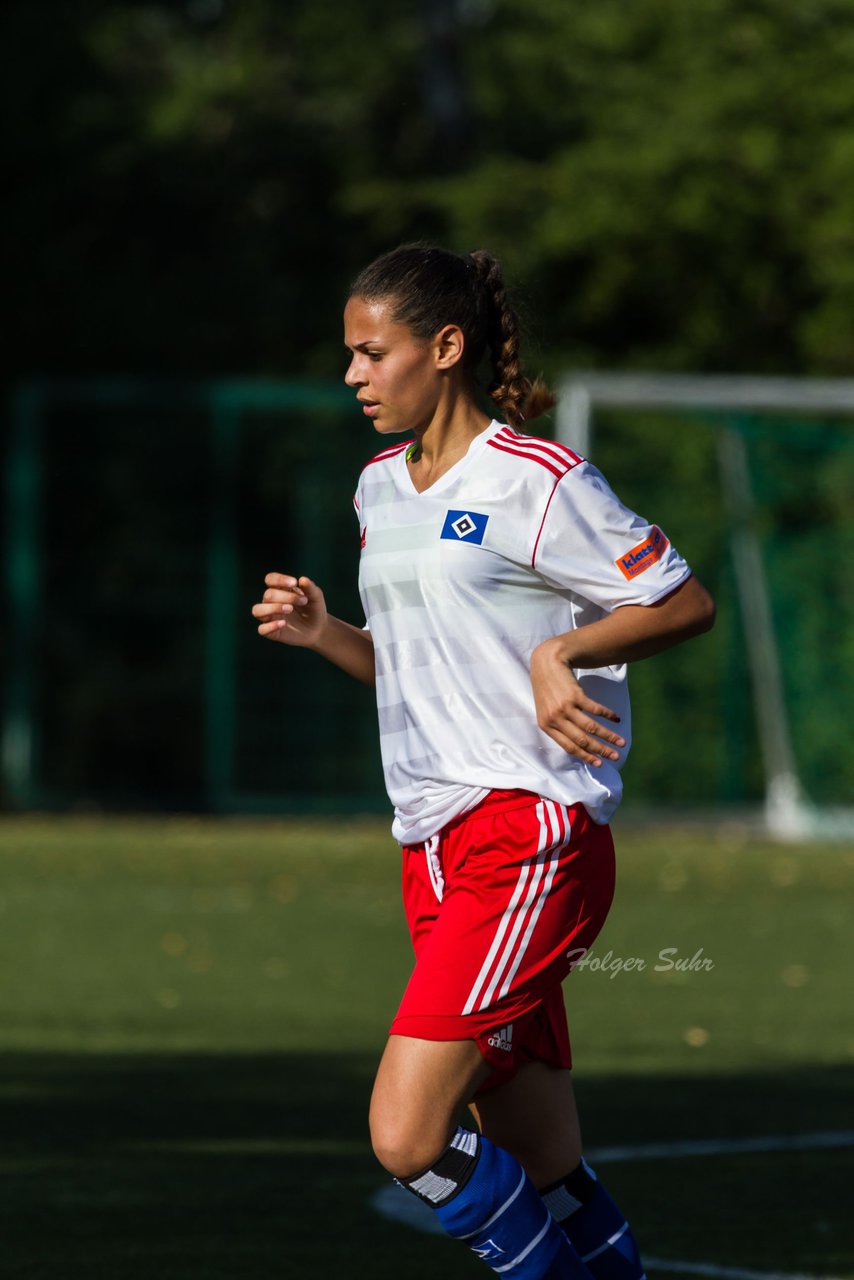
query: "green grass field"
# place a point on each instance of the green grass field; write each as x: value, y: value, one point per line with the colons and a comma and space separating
x: 191, y: 1012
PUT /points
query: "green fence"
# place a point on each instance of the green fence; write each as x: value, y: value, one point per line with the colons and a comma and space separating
x: 699, y: 740
x: 140, y: 520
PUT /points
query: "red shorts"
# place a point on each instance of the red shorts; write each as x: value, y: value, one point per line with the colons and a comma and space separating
x: 494, y: 904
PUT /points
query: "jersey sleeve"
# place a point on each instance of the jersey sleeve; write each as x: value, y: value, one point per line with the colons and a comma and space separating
x: 592, y: 544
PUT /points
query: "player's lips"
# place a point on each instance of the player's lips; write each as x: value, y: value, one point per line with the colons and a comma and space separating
x: 369, y: 407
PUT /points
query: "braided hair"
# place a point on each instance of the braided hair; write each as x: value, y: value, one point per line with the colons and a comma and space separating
x: 429, y: 287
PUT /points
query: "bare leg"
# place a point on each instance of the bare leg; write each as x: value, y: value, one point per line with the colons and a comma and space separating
x: 534, y: 1117
x: 479, y: 1192
x: 422, y: 1087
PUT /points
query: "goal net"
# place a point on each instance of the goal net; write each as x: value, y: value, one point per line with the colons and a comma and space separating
x: 752, y: 478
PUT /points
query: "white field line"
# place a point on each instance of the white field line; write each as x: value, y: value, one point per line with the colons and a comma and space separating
x: 392, y: 1201
x: 395, y: 1203
x: 724, y: 1273
x: 721, y: 1147
x: 400, y: 1205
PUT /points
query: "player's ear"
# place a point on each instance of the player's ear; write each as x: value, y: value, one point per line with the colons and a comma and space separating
x: 448, y: 346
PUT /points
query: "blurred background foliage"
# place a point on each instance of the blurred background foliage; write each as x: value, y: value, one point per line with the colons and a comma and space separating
x: 191, y: 185
x: 194, y: 182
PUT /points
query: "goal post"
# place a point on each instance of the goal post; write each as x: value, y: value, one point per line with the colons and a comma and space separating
x: 733, y: 404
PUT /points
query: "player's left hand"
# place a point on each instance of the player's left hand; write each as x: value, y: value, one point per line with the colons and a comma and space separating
x: 565, y: 712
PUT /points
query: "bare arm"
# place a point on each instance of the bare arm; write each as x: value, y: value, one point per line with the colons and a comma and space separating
x: 564, y: 711
x: 293, y: 611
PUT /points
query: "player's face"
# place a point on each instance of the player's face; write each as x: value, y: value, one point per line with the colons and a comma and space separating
x: 394, y: 374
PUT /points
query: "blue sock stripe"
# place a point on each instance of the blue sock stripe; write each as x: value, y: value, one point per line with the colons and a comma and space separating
x: 520, y: 1257
x: 608, y: 1243
x: 506, y: 1205
x: 498, y: 1213
x: 596, y: 1228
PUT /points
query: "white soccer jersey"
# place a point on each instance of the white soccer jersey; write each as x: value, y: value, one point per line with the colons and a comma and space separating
x: 519, y: 541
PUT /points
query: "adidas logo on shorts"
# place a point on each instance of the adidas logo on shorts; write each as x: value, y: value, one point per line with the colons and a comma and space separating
x: 502, y: 1039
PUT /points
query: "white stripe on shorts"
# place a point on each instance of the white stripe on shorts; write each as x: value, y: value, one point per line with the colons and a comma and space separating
x: 554, y: 836
x: 544, y: 893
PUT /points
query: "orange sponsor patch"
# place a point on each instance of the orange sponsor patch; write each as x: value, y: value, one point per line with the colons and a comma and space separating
x: 643, y: 555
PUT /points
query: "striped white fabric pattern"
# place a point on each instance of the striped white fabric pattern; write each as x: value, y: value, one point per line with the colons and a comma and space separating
x: 519, y: 541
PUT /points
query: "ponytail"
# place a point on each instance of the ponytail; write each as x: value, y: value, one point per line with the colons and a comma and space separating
x: 519, y: 399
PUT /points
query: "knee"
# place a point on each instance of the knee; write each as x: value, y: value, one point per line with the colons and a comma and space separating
x: 403, y: 1145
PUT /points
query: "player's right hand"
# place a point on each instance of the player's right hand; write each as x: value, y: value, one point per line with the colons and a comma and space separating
x: 292, y: 610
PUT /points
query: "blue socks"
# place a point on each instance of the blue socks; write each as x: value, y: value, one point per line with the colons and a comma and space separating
x: 483, y: 1197
x: 594, y: 1225
x: 571, y: 1230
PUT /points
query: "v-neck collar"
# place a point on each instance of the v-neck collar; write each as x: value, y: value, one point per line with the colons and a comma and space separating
x: 449, y: 476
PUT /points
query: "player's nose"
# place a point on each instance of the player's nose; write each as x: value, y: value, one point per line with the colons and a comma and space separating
x: 353, y: 377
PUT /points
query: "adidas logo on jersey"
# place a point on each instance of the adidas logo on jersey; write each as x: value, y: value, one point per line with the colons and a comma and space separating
x: 502, y: 1039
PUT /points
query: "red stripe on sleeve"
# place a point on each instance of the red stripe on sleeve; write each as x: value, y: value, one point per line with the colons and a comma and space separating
x: 559, y: 470
x: 543, y: 521
x: 558, y: 452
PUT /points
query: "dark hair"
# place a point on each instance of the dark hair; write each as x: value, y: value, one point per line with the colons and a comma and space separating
x: 431, y: 287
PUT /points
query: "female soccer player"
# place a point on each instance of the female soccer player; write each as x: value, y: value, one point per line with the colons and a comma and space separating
x: 505, y: 589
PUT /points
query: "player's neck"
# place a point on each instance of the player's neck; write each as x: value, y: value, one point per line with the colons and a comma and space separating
x: 444, y: 441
